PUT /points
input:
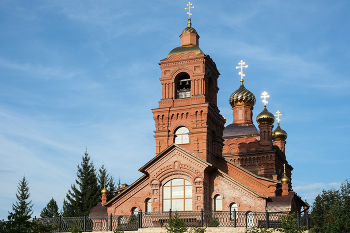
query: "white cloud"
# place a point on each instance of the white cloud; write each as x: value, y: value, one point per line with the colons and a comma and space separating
x: 310, y: 187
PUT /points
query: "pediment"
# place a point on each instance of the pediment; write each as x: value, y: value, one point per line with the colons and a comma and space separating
x: 175, y: 158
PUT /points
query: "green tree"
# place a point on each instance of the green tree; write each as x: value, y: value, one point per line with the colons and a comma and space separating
x: 176, y: 224
x: 331, y: 210
x: 18, y: 219
x: 119, y: 185
x: 102, y: 173
x: 51, y: 210
x: 84, y: 194
x: 111, y: 188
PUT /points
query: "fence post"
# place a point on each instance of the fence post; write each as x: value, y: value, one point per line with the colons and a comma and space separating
x: 140, y: 219
x: 267, y: 220
x: 169, y: 214
x: 234, y: 218
x: 110, y: 222
x: 59, y: 224
x: 84, y: 225
x: 202, y: 215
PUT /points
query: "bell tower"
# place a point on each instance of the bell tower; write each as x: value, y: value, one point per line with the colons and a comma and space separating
x: 187, y: 114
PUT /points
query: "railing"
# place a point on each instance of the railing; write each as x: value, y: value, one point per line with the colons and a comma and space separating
x: 160, y: 219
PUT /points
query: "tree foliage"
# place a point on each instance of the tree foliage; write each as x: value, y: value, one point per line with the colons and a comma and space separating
x: 176, y: 225
x: 84, y: 194
x: 102, y: 173
x: 51, y: 210
x: 18, y: 219
x: 331, y: 210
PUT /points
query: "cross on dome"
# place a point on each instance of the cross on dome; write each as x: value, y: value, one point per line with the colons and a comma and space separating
x: 265, y: 96
x: 242, y: 65
x: 278, y: 116
x: 189, y: 9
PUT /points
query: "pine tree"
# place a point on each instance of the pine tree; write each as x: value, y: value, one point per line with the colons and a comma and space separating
x: 109, y: 181
x: 119, y: 185
x: 51, y: 210
x: 111, y: 188
x: 18, y: 219
x: 331, y: 210
x: 102, y: 174
x: 84, y: 194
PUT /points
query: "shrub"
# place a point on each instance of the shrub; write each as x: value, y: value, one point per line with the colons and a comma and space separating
x: 119, y: 229
x: 214, y: 222
x: 176, y: 225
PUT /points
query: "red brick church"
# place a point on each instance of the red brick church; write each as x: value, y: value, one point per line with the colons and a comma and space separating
x: 201, y: 164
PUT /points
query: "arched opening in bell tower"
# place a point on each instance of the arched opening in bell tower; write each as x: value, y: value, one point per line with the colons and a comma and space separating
x: 183, y: 86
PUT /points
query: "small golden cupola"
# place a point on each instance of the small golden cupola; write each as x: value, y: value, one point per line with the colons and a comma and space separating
x: 279, y: 134
x: 104, y: 193
x: 189, y: 38
x: 285, y: 179
x: 265, y: 117
x: 265, y: 120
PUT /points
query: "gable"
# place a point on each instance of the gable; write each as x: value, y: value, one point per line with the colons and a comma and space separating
x: 175, y: 158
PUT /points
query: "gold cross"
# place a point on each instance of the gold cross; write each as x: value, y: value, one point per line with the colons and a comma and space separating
x: 242, y: 65
x: 264, y: 96
x: 278, y: 116
x: 189, y: 9
x: 105, y: 181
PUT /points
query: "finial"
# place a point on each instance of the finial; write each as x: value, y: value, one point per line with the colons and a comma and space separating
x: 278, y: 116
x: 284, y: 169
x: 242, y: 65
x: 105, y: 182
x: 264, y: 96
x: 189, y: 13
x: 305, y: 197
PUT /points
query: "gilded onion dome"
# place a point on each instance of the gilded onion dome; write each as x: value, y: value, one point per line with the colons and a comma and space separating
x: 285, y: 179
x: 104, y: 191
x: 265, y: 117
x: 279, y: 134
x: 242, y: 96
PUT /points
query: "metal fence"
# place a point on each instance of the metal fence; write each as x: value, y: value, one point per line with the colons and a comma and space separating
x: 160, y: 219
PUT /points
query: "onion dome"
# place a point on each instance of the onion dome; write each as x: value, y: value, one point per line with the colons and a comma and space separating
x: 285, y: 179
x: 265, y: 117
x: 242, y: 96
x: 279, y: 134
x: 104, y: 191
x: 189, y: 29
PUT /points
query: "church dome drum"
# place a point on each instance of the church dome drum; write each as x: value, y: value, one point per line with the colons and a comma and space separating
x: 265, y: 117
x: 242, y: 96
x: 279, y: 134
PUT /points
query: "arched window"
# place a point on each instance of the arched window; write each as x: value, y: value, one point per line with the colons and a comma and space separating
x: 250, y: 219
x: 177, y: 195
x: 183, y: 86
x: 148, y: 205
x: 218, y: 203
x: 233, y: 210
x: 181, y: 136
x: 134, y: 211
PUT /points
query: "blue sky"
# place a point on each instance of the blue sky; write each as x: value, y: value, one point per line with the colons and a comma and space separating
x: 77, y: 74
